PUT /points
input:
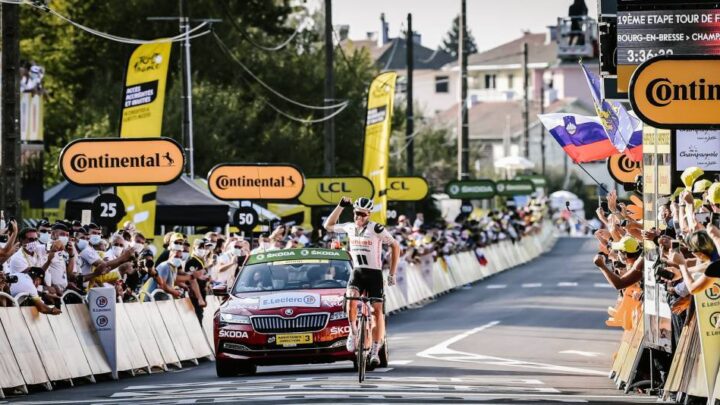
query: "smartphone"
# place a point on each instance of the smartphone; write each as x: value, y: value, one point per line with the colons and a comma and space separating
x: 715, y: 219
x: 675, y: 245
x: 604, y: 206
x: 702, y: 217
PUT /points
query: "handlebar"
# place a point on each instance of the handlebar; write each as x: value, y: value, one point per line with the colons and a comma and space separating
x: 364, y: 299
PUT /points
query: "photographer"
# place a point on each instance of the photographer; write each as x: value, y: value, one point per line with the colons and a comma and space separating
x: 702, y: 247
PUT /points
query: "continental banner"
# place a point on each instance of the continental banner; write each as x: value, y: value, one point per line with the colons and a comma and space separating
x: 377, y: 140
x: 142, y: 113
x: 707, y: 304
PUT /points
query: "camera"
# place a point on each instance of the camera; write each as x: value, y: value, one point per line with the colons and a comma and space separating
x: 11, y: 278
x: 661, y: 273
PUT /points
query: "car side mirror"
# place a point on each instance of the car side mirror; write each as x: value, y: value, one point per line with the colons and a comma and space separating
x: 220, y: 290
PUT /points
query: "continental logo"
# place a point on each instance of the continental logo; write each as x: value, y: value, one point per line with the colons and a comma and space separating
x: 325, y: 191
x: 623, y: 169
x: 407, y: 189
x: 678, y: 92
x: 255, y: 182
x: 122, y: 161
x: 661, y: 92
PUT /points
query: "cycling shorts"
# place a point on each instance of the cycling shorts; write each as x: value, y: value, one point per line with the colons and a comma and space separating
x: 369, y: 281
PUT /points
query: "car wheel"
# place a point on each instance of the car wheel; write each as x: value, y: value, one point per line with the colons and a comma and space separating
x: 384, y: 355
x: 225, y: 368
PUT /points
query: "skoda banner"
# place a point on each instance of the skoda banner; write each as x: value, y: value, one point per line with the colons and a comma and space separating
x: 471, y: 189
x: 512, y: 188
x: 101, y: 303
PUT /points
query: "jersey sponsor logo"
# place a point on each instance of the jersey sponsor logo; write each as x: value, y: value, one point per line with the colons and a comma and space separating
x: 235, y: 334
x: 379, y: 228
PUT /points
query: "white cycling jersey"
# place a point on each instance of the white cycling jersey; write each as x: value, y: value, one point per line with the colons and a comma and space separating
x: 365, y: 244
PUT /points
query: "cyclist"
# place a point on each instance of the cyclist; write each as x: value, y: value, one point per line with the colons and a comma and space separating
x: 365, y: 240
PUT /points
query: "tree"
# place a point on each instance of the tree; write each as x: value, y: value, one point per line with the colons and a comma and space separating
x: 451, y: 41
x: 233, y: 121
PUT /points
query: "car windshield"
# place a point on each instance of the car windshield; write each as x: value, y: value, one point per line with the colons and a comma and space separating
x: 293, y: 275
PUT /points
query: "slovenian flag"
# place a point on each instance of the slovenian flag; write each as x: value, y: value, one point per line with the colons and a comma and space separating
x: 619, y: 124
x: 582, y: 138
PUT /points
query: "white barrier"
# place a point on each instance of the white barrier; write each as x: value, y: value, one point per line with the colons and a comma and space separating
x: 464, y: 268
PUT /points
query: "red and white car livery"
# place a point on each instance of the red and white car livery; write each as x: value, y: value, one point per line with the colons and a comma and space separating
x: 285, y: 307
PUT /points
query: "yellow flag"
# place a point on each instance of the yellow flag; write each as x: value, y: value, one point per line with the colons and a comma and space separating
x: 142, y: 113
x: 377, y: 140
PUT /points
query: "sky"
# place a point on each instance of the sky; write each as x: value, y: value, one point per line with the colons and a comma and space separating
x: 491, y: 22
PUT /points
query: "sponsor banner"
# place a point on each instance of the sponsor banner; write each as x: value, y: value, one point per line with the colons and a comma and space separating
x: 623, y: 169
x: 412, y: 188
x: 101, y: 303
x: 290, y: 299
x: 230, y: 181
x: 118, y: 161
x: 538, y: 180
x: 697, y: 148
x: 327, y: 191
x: 378, y: 126
x: 678, y: 92
x: 707, y: 304
x: 512, y: 188
x: 299, y: 254
x: 143, y: 104
x: 471, y: 189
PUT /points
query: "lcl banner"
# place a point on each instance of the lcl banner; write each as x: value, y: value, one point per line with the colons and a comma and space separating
x: 101, y: 302
x: 407, y: 189
x: 327, y: 191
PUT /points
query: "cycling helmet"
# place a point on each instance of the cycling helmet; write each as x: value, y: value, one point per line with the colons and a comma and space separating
x: 363, y: 204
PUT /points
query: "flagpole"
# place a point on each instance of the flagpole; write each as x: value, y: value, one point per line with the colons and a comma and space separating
x: 602, y: 186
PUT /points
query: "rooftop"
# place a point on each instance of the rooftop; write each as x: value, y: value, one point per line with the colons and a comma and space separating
x: 510, y: 53
x: 391, y: 56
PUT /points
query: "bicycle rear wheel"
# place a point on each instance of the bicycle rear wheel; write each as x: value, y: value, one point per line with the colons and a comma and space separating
x: 360, y: 349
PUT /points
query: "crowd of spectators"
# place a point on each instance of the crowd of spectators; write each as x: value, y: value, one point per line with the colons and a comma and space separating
x: 41, y: 264
x: 683, y: 248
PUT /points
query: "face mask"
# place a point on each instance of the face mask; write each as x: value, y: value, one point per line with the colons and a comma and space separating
x: 117, y: 250
x: 238, y: 252
x: 30, y: 247
x: 95, y: 239
x: 2, y: 245
x: 82, y: 244
x: 138, y: 247
x: 44, y: 237
x: 200, y: 252
x: 63, y: 239
x: 176, y: 261
x: 3, y: 224
x: 185, y: 255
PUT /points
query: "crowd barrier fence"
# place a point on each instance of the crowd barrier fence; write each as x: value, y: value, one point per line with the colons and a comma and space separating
x: 154, y: 335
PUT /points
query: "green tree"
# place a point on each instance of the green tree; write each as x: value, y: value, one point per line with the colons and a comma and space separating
x: 232, y: 118
x: 451, y: 41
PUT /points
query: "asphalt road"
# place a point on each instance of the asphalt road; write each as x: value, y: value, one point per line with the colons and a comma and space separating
x: 534, y: 334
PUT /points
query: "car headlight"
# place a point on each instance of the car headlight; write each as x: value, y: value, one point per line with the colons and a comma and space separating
x: 231, y: 318
x: 336, y: 316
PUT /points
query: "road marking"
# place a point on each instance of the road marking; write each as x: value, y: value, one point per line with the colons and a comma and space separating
x: 581, y: 353
x: 496, y: 286
x: 399, y: 362
x: 602, y: 285
x: 567, y: 284
x: 531, y: 285
x: 442, y: 351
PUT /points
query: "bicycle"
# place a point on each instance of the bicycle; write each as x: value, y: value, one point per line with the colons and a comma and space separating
x: 364, y: 341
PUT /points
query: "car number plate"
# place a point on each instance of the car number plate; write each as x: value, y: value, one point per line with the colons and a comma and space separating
x: 294, y: 339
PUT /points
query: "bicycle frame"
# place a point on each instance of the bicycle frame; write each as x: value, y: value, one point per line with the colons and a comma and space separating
x: 366, y: 323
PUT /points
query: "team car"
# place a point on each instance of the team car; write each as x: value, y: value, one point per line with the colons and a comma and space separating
x: 285, y: 307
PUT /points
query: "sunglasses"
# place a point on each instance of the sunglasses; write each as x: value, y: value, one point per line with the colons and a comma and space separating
x: 178, y: 242
x: 118, y: 244
x: 360, y: 214
x: 30, y: 240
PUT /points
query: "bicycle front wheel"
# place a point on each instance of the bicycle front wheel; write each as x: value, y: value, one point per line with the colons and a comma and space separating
x: 360, y: 349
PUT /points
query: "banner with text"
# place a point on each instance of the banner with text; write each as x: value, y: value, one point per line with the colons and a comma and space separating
x: 378, y: 126
x: 142, y: 114
x: 101, y: 303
